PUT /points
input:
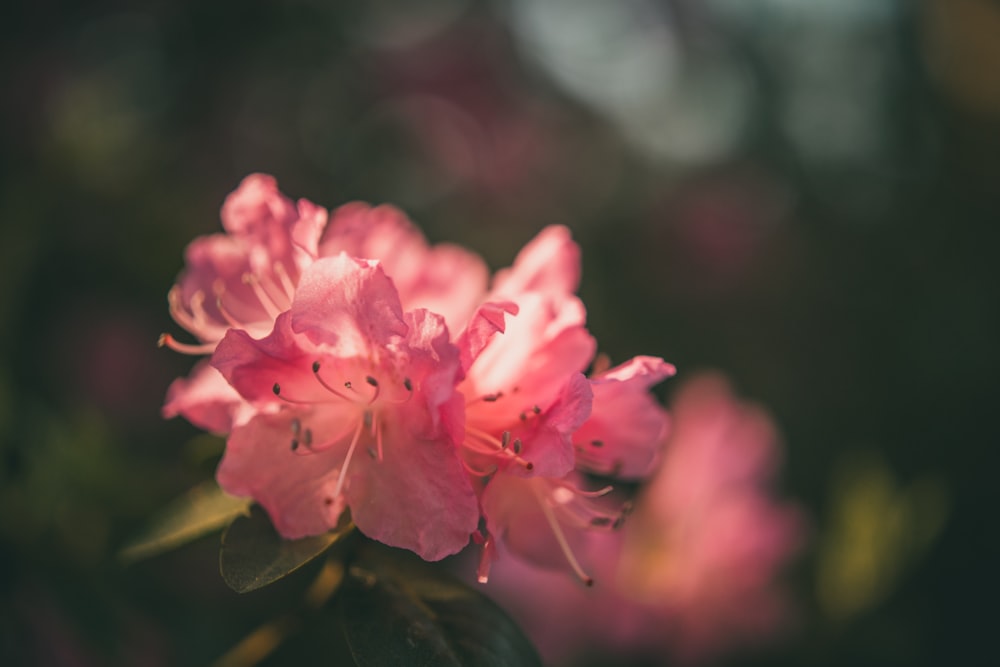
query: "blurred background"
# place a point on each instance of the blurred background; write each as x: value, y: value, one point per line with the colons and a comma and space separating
x: 802, y: 194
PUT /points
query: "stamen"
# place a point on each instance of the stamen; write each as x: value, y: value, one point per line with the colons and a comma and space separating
x: 505, y: 439
x: 307, y: 437
x: 378, y: 439
x: 480, y: 473
x: 373, y: 382
x: 493, y: 398
x: 329, y: 388
x: 219, y: 289
x: 166, y: 340
x: 286, y: 282
x: 265, y: 299
x: 537, y: 410
x: 485, y: 560
x: 523, y: 416
x: 561, y: 539
x: 408, y: 385
x: 597, y: 443
x: 347, y: 460
x: 517, y: 445
x: 295, y: 444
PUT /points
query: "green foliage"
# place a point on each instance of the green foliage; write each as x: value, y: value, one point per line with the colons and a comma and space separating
x: 201, y: 510
x: 254, y: 555
x: 397, y: 610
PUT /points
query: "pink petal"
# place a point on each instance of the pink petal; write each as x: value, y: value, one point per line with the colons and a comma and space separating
x: 547, y: 437
x: 204, y: 398
x: 548, y: 263
x: 487, y: 321
x: 254, y: 367
x: 542, y: 346
x: 627, y: 427
x: 297, y: 490
x: 445, y: 279
x: 348, y: 305
x: 418, y: 497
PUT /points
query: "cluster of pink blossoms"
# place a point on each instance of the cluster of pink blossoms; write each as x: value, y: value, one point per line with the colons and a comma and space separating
x: 355, y: 366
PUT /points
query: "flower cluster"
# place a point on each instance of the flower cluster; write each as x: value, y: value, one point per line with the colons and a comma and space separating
x: 355, y: 366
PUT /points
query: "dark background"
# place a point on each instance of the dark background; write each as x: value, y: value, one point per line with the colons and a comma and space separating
x: 800, y: 193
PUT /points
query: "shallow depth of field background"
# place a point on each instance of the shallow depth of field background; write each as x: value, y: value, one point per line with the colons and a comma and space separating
x: 803, y: 194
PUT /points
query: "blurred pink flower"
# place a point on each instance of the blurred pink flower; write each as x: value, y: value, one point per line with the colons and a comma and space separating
x: 693, y: 573
x: 355, y: 407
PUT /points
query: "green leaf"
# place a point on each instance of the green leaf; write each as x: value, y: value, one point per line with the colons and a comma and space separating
x: 254, y: 555
x: 201, y: 510
x: 395, y: 611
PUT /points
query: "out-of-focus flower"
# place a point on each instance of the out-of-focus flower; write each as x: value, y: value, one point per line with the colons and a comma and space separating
x: 693, y: 572
x: 355, y: 408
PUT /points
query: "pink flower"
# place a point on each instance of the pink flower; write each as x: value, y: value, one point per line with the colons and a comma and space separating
x: 527, y: 399
x: 355, y: 407
x: 692, y: 574
x: 243, y: 279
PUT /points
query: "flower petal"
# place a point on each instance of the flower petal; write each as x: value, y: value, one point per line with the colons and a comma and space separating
x: 347, y: 305
x: 444, y: 279
x: 205, y: 399
x: 548, y: 263
x: 627, y: 427
x: 487, y: 321
x: 297, y: 490
x: 418, y: 497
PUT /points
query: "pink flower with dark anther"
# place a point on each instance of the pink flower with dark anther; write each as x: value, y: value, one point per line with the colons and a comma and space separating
x: 355, y: 407
x: 527, y: 399
x: 445, y: 279
x: 241, y: 279
x: 693, y: 572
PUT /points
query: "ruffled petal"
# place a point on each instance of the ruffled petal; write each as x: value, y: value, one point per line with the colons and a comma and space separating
x: 487, y: 321
x: 549, y: 263
x: 348, y: 305
x: 205, y: 399
x: 297, y: 490
x: 444, y: 279
x: 627, y: 427
x: 254, y: 367
x: 417, y: 497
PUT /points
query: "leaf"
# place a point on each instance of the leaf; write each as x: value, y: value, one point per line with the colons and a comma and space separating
x: 201, y: 510
x: 254, y: 555
x: 401, y: 612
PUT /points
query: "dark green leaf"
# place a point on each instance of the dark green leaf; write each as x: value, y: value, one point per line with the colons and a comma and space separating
x: 201, y: 510
x: 253, y: 555
x: 399, y: 612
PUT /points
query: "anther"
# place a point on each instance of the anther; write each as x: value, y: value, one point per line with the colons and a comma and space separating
x: 523, y: 416
x: 372, y: 381
x: 276, y: 389
x: 597, y: 443
x: 601, y: 521
x: 368, y: 418
x: 505, y: 439
x: 372, y: 453
x: 492, y: 398
x: 295, y: 444
x: 348, y: 384
x: 296, y: 426
x: 315, y: 367
x: 517, y: 445
x: 307, y: 437
x: 407, y: 384
x: 537, y: 410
